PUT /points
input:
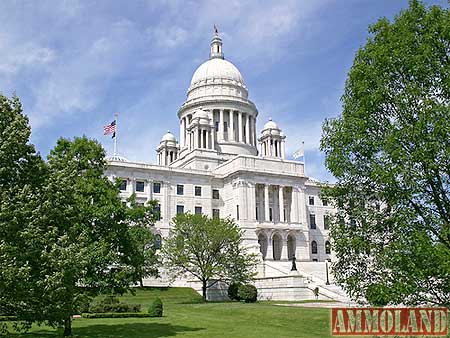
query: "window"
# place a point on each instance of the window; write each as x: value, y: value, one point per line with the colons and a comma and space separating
x: 311, y: 200
x: 180, y: 189
x: 157, y: 212
x: 257, y: 216
x: 325, y: 202
x: 314, y: 247
x: 158, y: 241
x: 237, y: 212
x: 326, y: 222
x: 139, y: 186
x: 198, y: 191
x: 123, y: 185
x: 216, y: 213
x: 156, y: 187
x: 215, y: 194
x: 225, y: 127
x: 312, y: 221
x: 270, y: 214
x: 180, y: 209
x: 217, y: 125
x: 327, y: 248
x: 198, y: 210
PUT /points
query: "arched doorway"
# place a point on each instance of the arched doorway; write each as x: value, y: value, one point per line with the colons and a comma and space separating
x: 277, y: 244
x: 291, y: 246
x: 262, y: 240
x: 314, y: 247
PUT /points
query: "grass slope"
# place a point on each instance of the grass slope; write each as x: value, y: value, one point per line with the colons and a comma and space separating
x: 186, y: 316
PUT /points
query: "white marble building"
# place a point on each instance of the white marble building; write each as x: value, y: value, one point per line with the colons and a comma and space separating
x: 222, y: 166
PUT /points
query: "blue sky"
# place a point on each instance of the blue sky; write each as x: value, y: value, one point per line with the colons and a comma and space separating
x: 74, y: 63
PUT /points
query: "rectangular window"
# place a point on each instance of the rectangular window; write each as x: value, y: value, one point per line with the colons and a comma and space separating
x: 198, y: 210
x: 180, y: 209
x: 312, y: 221
x: 156, y: 188
x: 139, y: 186
x: 180, y: 189
x: 215, y: 194
x: 311, y: 200
x: 237, y: 212
x: 217, y: 125
x: 326, y: 222
x: 198, y: 191
x: 157, y: 212
x: 257, y: 216
x: 225, y: 127
x: 216, y: 213
x: 270, y: 215
x: 123, y: 185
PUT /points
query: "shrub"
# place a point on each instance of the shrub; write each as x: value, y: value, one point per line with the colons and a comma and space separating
x: 156, y: 308
x: 115, y: 315
x: 248, y: 293
x: 112, y: 304
x: 233, y: 291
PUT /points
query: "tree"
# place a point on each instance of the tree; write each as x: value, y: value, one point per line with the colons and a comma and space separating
x: 22, y: 173
x: 144, y: 260
x: 209, y: 249
x: 390, y: 153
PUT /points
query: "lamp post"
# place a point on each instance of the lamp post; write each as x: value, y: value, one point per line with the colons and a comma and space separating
x: 326, y: 266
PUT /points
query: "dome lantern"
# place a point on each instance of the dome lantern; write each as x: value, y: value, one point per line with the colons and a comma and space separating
x: 216, y: 46
x: 272, y: 141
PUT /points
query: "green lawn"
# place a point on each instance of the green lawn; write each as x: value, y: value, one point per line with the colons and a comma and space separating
x: 186, y: 316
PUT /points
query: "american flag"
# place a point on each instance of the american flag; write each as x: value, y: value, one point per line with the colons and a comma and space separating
x: 110, y: 129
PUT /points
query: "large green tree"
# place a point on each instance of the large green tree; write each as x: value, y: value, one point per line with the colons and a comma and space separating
x: 390, y: 153
x: 22, y: 176
x: 210, y: 249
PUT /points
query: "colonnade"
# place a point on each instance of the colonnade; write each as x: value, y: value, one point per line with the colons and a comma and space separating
x: 228, y: 125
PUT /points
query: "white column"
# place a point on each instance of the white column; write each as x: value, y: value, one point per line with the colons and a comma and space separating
x: 213, y: 138
x: 283, y: 150
x: 240, y: 127
x: 196, y: 145
x: 269, y: 254
x: 221, y: 125
x: 294, y: 205
x: 284, y: 248
x: 231, y: 128
x: 266, y: 203
x: 251, y: 202
x: 281, y: 203
x: 254, y: 131
x: 182, y: 130
x: 149, y: 190
x: 302, y: 207
x: 247, y: 128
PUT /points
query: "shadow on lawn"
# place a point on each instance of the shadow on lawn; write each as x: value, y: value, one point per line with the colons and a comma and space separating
x: 132, y: 330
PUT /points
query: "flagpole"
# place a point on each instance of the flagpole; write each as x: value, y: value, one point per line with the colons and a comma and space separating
x: 304, y: 157
x: 116, y: 115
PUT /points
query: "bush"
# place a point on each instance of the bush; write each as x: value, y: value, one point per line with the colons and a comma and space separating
x: 111, y: 304
x: 115, y: 315
x: 248, y: 293
x: 156, y: 308
x: 233, y: 291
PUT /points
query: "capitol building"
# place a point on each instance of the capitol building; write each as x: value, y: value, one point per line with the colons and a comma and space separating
x: 220, y: 165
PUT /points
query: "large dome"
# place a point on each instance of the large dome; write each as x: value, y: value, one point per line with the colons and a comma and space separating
x: 217, y: 69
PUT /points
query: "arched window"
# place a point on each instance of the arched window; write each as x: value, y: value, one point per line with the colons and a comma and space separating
x: 277, y: 244
x: 314, y: 247
x: 158, y: 241
x: 262, y: 241
x: 327, y: 248
x: 291, y: 246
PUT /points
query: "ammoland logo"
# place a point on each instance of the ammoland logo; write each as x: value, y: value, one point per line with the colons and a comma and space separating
x: 389, y: 321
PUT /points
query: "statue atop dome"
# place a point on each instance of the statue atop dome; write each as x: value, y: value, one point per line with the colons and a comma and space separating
x: 216, y: 31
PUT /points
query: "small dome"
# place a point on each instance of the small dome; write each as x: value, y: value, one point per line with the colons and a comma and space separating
x: 201, y: 114
x: 116, y: 158
x: 168, y: 137
x: 271, y: 125
x: 217, y: 69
